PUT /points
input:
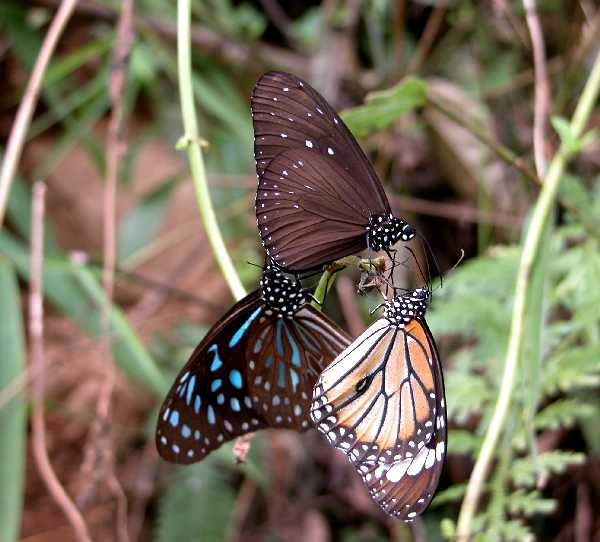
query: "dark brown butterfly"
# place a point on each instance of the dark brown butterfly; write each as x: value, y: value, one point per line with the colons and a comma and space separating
x: 318, y: 197
x: 381, y: 402
x: 254, y: 369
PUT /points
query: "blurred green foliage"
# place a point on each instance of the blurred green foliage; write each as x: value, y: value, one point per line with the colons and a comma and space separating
x: 470, y: 315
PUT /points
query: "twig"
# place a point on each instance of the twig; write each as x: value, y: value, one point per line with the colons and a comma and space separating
x: 541, y: 212
x: 99, y: 456
x: 16, y: 139
x: 279, y: 19
x: 455, y: 211
x: 38, y: 363
x: 503, y: 152
x: 431, y: 30
x: 188, y: 111
x: 542, y: 88
x: 240, y: 510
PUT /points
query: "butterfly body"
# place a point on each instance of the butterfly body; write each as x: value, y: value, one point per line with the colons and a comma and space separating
x: 318, y: 198
x: 381, y: 402
x: 254, y: 369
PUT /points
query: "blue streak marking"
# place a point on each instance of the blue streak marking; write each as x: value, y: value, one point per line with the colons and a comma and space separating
x: 269, y: 362
x: 197, y: 434
x: 278, y: 343
x: 190, y: 390
x: 281, y: 375
x: 220, y: 399
x: 197, y: 404
x: 184, y: 377
x: 174, y: 418
x: 244, y: 327
x: 295, y: 350
x: 295, y: 379
x: 257, y: 346
x: 211, y: 415
x: 185, y: 431
x: 216, y: 362
x: 235, y: 377
x: 216, y: 384
x: 235, y: 404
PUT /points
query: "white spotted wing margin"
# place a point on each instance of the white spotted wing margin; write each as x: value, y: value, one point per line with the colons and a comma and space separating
x: 404, y: 489
x: 377, y: 401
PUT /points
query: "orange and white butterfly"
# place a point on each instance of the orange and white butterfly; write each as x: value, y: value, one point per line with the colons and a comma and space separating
x: 381, y: 402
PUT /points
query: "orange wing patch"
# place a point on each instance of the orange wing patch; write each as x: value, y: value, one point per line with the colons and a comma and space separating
x: 376, y: 401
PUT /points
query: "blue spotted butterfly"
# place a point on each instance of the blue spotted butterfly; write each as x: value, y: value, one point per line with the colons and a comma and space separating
x: 254, y: 369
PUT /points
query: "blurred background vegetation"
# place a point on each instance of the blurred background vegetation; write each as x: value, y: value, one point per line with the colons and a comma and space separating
x: 436, y: 92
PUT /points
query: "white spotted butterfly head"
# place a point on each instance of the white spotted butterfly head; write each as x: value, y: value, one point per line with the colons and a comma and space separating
x: 403, y: 309
x: 282, y: 295
x: 384, y: 231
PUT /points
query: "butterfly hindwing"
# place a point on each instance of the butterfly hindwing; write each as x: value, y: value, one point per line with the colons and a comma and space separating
x: 405, y: 488
x: 285, y: 360
x: 209, y: 402
x: 376, y: 401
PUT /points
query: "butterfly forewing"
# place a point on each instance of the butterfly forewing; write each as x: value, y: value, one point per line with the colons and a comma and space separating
x: 279, y: 97
x: 376, y: 401
x: 285, y: 358
x: 209, y: 402
x: 405, y: 488
x: 317, y: 190
x: 309, y: 210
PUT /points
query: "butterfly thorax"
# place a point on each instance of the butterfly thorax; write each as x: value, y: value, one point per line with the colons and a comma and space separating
x: 282, y: 295
x: 402, y: 310
x: 384, y: 231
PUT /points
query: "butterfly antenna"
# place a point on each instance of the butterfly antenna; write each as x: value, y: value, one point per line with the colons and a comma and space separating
x: 435, y: 261
x: 263, y: 267
x: 421, y: 272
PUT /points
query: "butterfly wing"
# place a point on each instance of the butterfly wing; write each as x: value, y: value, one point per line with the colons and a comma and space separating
x: 279, y: 97
x: 209, y: 402
x: 404, y: 489
x: 330, y: 211
x: 309, y: 210
x: 285, y: 360
x: 377, y: 401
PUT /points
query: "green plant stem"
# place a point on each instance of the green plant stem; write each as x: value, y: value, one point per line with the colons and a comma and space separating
x: 322, y: 289
x: 541, y: 213
x: 190, y: 125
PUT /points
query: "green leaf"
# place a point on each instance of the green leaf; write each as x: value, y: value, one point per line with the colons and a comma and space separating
x: 13, y: 421
x: 566, y: 135
x: 574, y: 368
x: 529, y: 503
x: 140, y: 224
x: 562, y: 413
x: 386, y: 107
x: 462, y: 442
x: 197, y: 504
x: 452, y: 494
x: 524, y: 471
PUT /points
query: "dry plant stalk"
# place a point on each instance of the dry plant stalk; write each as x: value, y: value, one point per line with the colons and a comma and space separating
x: 99, y: 456
x: 16, y: 139
x: 38, y: 366
x: 541, y: 110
